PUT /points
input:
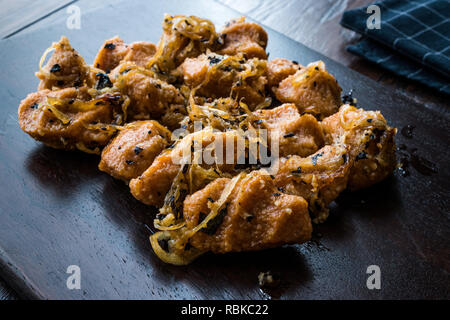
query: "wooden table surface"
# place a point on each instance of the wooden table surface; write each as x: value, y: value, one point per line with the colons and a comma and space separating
x: 314, y: 23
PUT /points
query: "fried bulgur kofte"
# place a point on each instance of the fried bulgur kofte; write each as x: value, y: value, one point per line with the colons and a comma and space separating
x: 190, y: 124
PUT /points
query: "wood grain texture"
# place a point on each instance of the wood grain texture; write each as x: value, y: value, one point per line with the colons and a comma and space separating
x: 6, y: 293
x: 58, y: 209
x: 19, y: 14
x: 311, y: 22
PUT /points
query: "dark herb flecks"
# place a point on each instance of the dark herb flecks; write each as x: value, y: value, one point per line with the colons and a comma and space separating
x: 164, y: 244
x: 138, y: 150
x: 103, y: 81
x: 297, y: 171
x: 214, y: 60
x: 348, y: 98
x: 289, y: 135
x: 188, y: 246
x: 315, y: 157
x: 249, y: 218
x: 110, y: 46
x: 214, y: 223
x: 362, y: 155
x: 56, y: 68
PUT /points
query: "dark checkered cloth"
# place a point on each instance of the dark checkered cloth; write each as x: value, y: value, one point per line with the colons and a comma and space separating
x: 413, y: 41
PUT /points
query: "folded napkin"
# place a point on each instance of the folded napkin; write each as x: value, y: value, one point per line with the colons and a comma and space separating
x: 413, y: 40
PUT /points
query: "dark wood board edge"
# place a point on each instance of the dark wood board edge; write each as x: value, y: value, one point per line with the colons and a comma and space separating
x: 17, y: 280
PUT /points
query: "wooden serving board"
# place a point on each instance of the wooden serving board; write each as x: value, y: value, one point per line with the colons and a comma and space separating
x: 57, y: 209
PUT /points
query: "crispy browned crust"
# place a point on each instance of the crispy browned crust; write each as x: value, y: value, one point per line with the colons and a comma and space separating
x: 216, y: 83
x: 312, y: 89
x: 43, y: 125
x: 297, y: 135
x: 245, y: 37
x: 279, y: 69
x: 370, y: 141
x: 133, y: 150
x: 67, y: 68
x: 257, y: 216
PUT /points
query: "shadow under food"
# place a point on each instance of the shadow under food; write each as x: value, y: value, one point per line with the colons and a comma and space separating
x: 62, y: 171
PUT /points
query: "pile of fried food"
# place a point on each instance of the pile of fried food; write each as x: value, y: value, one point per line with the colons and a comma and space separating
x: 127, y: 105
